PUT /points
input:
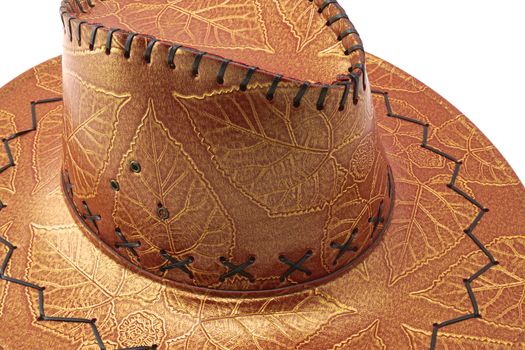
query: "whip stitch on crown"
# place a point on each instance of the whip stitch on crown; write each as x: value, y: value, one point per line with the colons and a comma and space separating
x: 356, y: 71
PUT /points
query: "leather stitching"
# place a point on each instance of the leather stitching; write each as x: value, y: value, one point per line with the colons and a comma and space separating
x: 468, y: 231
x: 357, y: 71
x: 11, y: 248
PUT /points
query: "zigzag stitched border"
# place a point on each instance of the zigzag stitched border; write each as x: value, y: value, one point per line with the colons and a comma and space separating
x: 452, y: 185
x: 468, y: 231
x: 6, y: 140
x: 11, y: 248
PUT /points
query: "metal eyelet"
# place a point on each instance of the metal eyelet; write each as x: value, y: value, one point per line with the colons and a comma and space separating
x: 135, y: 167
x: 115, y: 185
x: 162, y: 212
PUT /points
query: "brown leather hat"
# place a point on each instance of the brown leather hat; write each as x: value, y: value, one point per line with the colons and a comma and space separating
x: 239, y: 174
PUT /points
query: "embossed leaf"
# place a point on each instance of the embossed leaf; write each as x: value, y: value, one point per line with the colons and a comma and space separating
x: 404, y: 138
x: 270, y: 152
x: 366, y: 339
x: 429, y: 222
x: 362, y: 269
x: 102, y: 10
x: 81, y: 281
x: 351, y: 208
x: 500, y: 292
x: 49, y: 75
x: 271, y: 323
x: 337, y: 50
x: 405, y: 132
x: 482, y: 163
x: 343, y: 215
x: 197, y: 226
x: 303, y: 18
x: 198, y: 23
x: 363, y: 158
x: 8, y: 127
x: 419, y: 339
x: 389, y: 78
x: 90, y: 131
x: 47, y: 149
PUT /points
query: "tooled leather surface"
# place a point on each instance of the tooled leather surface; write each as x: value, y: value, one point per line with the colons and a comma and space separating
x: 240, y: 177
x: 401, y: 288
x: 285, y: 36
x: 388, y: 301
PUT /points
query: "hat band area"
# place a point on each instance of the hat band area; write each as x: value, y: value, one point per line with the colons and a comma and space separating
x: 378, y: 224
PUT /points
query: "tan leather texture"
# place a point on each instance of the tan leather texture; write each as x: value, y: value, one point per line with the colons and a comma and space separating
x: 112, y: 114
x: 284, y: 36
x: 226, y: 178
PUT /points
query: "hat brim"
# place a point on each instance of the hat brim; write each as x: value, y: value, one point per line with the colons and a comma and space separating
x: 432, y: 275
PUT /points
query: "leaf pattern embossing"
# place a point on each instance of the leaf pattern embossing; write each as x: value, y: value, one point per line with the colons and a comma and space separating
x: 8, y: 127
x: 500, y: 291
x: 49, y: 76
x: 198, y: 225
x: 89, y: 132
x: 304, y: 20
x: 268, y: 323
x: 482, y: 163
x: 87, y: 289
x: 47, y: 149
x: 389, y: 78
x: 343, y: 216
x: 419, y: 339
x: 363, y: 158
x: 366, y: 339
x: 404, y: 138
x: 269, y: 152
x: 337, y: 50
x: 428, y: 229
x: 196, y: 23
x: 352, y: 208
x: 81, y: 280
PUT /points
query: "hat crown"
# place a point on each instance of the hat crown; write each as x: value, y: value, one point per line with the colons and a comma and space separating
x: 204, y: 151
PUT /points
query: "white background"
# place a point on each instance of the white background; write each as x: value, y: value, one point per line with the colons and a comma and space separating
x: 472, y: 52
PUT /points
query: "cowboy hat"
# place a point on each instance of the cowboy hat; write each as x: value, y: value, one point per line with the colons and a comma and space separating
x: 238, y: 174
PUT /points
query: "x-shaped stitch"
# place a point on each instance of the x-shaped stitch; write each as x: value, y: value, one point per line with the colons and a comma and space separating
x: 295, y: 265
x: 173, y: 263
x: 89, y: 216
x: 346, y: 247
x: 125, y: 244
x: 378, y: 219
x: 237, y: 269
x: 68, y: 185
